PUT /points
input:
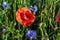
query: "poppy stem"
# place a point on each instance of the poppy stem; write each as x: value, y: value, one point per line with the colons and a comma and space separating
x: 23, y: 29
x: 19, y: 26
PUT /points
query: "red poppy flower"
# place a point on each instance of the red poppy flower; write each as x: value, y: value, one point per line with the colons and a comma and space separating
x: 58, y: 18
x: 24, y: 16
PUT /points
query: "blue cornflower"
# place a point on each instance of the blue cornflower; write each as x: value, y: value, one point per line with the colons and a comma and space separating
x: 5, y: 5
x: 34, y: 8
x: 31, y: 34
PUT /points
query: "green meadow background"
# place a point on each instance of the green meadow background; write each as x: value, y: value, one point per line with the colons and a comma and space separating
x: 44, y: 25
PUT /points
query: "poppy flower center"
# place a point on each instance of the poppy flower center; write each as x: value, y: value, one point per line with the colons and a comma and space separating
x: 58, y: 18
x: 27, y: 16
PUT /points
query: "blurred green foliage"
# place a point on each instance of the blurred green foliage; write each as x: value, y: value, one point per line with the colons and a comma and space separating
x: 44, y: 25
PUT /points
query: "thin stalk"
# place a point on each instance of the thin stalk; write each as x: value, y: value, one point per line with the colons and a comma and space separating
x: 42, y: 33
x: 31, y: 39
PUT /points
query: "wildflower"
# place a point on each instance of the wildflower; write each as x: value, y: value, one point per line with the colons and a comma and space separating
x: 31, y: 34
x: 25, y: 16
x: 58, y: 18
x: 34, y: 8
x: 5, y: 5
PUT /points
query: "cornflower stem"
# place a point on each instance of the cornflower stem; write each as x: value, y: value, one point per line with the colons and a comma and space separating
x: 31, y: 39
x: 23, y: 31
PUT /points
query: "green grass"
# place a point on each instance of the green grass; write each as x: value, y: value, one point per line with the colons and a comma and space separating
x: 45, y: 17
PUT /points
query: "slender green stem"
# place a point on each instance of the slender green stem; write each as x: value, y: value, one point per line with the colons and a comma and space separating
x: 42, y: 33
x: 31, y: 39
